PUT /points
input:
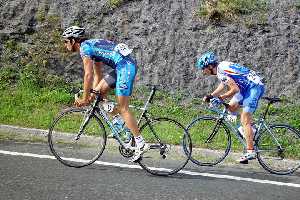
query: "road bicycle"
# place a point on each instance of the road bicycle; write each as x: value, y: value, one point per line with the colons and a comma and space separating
x: 277, y: 146
x: 78, y: 137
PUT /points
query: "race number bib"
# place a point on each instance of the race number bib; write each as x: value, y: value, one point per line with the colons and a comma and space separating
x: 123, y: 49
x: 253, y: 77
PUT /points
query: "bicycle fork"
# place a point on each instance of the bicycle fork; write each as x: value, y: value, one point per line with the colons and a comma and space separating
x: 86, y: 119
x: 214, y: 132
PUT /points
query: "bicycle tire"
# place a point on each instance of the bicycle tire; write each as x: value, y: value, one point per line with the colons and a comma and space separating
x: 271, y: 157
x: 168, y: 141
x: 62, y: 138
x: 209, y: 149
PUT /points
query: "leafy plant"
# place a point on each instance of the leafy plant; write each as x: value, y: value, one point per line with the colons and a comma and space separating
x: 115, y: 3
x: 230, y: 9
x: 28, y: 64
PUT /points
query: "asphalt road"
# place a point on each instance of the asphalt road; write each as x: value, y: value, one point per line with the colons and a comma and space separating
x: 31, y: 176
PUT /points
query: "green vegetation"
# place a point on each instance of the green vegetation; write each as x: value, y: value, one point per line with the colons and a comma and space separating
x: 229, y: 10
x: 31, y: 107
x: 115, y: 3
x: 30, y: 95
x: 297, y: 4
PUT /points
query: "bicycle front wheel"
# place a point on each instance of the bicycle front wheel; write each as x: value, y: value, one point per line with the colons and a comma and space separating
x: 169, y: 146
x: 211, y: 140
x: 76, y: 137
x: 279, y: 149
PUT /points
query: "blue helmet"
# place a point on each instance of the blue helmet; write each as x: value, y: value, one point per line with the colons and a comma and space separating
x: 206, y: 59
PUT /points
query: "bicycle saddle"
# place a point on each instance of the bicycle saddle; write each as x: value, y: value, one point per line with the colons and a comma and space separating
x: 272, y: 99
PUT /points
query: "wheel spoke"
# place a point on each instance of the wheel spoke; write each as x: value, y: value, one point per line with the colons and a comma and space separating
x: 69, y: 145
x: 169, y: 146
x: 278, y: 150
x: 211, y: 141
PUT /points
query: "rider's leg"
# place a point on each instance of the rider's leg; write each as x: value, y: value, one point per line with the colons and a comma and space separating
x: 233, y: 107
x: 129, y: 119
x: 107, y: 83
x: 234, y: 103
x: 250, y: 104
x: 103, y: 87
x: 126, y: 72
x: 246, y: 120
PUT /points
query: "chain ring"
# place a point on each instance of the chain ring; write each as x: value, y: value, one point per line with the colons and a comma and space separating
x: 127, y: 153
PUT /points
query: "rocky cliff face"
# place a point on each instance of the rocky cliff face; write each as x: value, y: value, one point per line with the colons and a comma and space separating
x: 167, y: 36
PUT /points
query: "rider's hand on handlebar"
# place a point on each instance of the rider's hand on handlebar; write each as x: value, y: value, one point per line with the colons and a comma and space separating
x: 216, y: 101
x: 207, y: 98
x: 92, y: 97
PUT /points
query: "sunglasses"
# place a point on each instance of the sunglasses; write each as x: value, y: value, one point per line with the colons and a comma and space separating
x: 66, y: 41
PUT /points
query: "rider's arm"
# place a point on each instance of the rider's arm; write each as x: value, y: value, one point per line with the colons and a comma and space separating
x: 233, y: 89
x: 218, y: 91
x: 88, y: 77
x: 98, y: 66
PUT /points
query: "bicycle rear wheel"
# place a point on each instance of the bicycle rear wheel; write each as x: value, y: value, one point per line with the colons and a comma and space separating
x: 279, y: 150
x: 72, y: 147
x: 170, y: 147
x: 211, y: 140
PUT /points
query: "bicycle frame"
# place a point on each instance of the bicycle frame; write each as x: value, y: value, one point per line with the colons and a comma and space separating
x: 223, y: 117
x: 99, y: 111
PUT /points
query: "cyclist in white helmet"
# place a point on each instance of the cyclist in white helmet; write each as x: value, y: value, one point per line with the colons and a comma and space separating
x: 244, y: 87
x: 95, y: 53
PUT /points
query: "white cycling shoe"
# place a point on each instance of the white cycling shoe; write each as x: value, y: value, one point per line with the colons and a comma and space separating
x: 139, y: 151
x: 247, y: 156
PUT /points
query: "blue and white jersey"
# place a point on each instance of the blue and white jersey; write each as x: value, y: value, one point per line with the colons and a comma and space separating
x: 105, y: 51
x: 242, y: 76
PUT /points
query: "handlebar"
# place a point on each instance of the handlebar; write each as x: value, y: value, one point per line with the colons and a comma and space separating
x: 99, y: 97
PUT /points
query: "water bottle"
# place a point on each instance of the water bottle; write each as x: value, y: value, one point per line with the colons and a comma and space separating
x: 118, y: 123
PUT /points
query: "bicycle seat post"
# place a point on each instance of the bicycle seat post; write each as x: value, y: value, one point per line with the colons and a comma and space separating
x: 270, y: 101
x: 266, y: 111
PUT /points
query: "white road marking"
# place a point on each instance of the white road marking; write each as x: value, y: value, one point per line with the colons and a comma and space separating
x: 219, y: 176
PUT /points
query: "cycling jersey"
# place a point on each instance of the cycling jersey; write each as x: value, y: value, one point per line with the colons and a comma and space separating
x: 242, y: 76
x: 249, y: 83
x: 101, y: 51
x: 116, y: 56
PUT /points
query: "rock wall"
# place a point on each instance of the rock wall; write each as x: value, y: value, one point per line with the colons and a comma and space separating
x: 167, y: 36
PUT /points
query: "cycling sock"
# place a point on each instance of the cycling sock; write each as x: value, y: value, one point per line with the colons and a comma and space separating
x: 250, y: 150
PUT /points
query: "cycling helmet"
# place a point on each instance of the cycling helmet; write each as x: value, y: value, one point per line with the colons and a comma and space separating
x: 206, y: 59
x: 73, y: 32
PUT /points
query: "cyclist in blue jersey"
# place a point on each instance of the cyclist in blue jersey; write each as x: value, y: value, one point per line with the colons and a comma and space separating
x: 244, y: 87
x: 95, y: 53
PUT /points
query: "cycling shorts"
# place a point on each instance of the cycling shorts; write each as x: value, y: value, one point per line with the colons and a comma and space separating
x: 126, y: 71
x: 249, y: 100
x: 111, y: 78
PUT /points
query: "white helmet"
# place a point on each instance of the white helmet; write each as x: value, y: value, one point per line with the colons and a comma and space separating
x: 73, y: 31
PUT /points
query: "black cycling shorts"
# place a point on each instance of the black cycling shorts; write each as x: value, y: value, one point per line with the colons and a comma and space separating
x: 111, y: 78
